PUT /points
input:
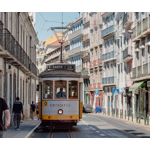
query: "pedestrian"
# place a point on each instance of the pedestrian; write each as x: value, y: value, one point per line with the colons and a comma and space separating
x: 4, y: 107
x: 32, y: 109
x: 37, y: 110
x: 17, y: 110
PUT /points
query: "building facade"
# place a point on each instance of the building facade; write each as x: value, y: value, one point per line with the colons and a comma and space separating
x: 109, y: 80
x: 95, y: 65
x: 140, y: 71
x: 18, y: 71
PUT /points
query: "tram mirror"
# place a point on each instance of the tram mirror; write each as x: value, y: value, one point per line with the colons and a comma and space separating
x: 48, y: 90
x: 60, y: 89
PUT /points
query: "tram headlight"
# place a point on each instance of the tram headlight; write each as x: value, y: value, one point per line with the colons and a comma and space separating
x: 60, y: 111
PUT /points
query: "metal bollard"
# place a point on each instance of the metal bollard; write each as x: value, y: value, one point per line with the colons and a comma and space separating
x: 139, y: 117
x: 120, y: 113
x: 144, y: 119
x: 128, y: 115
x: 147, y: 119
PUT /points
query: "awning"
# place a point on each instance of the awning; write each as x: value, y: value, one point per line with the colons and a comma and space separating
x: 135, y: 86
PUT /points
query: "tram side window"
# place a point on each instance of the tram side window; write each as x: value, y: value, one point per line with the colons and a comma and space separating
x: 60, y: 89
x: 73, y: 89
x: 48, y: 90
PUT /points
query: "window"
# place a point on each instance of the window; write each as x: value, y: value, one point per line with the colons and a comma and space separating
x: 73, y: 89
x: 48, y: 89
x: 60, y: 89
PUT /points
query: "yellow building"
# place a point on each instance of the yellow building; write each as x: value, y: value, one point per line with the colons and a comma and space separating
x: 41, y: 50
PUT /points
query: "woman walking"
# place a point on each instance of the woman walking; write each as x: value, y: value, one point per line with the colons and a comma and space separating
x: 32, y: 110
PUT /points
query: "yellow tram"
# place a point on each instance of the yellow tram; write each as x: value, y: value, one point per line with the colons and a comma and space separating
x: 60, y: 96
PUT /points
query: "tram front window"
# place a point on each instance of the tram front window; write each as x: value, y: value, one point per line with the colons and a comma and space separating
x: 73, y: 89
x: 60, y: 89
x: 48, y: 90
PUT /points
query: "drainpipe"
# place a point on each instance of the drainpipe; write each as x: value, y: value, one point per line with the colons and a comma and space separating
x: 18, y: 67
x: 30, y: 70
x: 5, y: 61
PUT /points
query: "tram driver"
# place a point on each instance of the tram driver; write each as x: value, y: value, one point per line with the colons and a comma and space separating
x: 61, y: 94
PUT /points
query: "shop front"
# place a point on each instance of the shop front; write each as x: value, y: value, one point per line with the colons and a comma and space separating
x: 141, y: 99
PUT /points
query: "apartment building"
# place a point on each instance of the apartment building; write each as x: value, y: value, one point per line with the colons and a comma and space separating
x: 53, y: 52
x: 18, y: 72
x: 141, y: 64
x: 95, y: 59
x: 76, y: 46
x: 45, y: 47
x: 85, y: 55
x: 66, y: 45
x: 108, y: 59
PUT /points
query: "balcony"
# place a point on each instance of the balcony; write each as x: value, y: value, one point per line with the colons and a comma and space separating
x: 95, y: 86
x: 67, y: 43
x: 127, y: 55
x: 138, y: 72
x: 74, y: 34
x: 107, y: 31
x: 66, y: 56
x: 1, y: 33
x: 78, y: 68
x: 16, y: 54
x: 85, y: 54
x: 127, y: 20
x: 74, y: 51
x: 108, y: 56
x: 85, y: 72
x: 85, y: 20
x: 141, y: 30
x: 109, y: 80
x: 86, y: 37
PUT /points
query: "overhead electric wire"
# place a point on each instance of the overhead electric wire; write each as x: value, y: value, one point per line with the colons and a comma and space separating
x: 42, y: 28
x: 39, y: 26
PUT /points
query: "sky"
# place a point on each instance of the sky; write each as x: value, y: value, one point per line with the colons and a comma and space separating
x: 45, y: 20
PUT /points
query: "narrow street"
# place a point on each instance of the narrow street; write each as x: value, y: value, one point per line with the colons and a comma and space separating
x: 96, y: 126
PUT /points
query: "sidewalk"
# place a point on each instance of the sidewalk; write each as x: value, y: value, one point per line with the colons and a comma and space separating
x: 25, y: 128
x: 127, y: 121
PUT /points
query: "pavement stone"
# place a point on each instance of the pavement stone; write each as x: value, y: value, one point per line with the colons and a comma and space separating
x: 25, y: 127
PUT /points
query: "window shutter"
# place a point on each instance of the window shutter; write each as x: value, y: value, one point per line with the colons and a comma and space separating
x: 140, y: 57
x: 146, y: 54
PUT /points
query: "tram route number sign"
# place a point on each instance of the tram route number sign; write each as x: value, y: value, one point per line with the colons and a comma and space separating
x: 61, y: 67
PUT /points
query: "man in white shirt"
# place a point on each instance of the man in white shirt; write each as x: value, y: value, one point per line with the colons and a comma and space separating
x: 61, y: 94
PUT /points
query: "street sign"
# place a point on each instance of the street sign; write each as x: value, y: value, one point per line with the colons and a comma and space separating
x: 115, y: 91
x: 122, y: 90
x: 96, y: 91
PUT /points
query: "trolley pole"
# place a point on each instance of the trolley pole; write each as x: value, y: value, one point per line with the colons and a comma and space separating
x: 61, y: 54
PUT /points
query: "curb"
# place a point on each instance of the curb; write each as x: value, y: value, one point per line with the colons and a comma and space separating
x: 146, y: 126
x: 27, y: 136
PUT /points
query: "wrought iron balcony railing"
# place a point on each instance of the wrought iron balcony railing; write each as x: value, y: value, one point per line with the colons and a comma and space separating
x: 127, y: 55
x: 1, y: 33
x: 108, y: 56
x: 11, y: 45
x: 109, y: 80
x: 108, y: 31
x: 76, y: 33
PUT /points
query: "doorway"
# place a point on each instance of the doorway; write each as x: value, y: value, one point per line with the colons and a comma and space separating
x: 14, y: 88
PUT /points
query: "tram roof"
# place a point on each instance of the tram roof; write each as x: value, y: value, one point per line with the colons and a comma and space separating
x: 60, y: 70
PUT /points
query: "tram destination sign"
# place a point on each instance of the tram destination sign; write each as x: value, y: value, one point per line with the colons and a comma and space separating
x: 61, y: 67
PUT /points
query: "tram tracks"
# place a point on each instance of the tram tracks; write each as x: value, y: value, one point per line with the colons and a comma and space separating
x: 60, y: 134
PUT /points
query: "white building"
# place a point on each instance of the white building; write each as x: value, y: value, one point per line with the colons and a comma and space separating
x: 18, y: 72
